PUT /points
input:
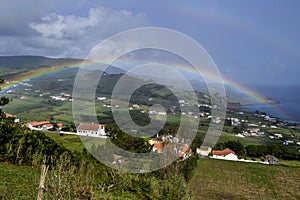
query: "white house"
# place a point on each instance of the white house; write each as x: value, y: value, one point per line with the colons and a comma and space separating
x: 40, y: 126
x: 91, y: 130
x: 226, y: 154
x: 101, y: 98
x: 203, y: 150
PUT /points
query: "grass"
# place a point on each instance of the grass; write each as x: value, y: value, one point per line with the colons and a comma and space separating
x: 18, y: 182
x: 71, y: 142
x: 217, y: 179
x: 246, y: 140
x: 74, y: 142
x: 290, y: 163
x: 284, y: 132
x: 212, y: 179
x: 18, y: 106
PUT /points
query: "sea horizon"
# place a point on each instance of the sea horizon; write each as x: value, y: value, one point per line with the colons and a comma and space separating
x: 288, y: 97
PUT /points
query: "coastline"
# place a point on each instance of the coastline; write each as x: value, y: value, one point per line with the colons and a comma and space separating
x: 273, y: 110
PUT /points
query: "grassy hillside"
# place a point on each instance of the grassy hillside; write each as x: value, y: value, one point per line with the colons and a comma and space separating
x: 217, y: 179
x: 18, y: 182
x: 212, y: 179
x: 15, y: 65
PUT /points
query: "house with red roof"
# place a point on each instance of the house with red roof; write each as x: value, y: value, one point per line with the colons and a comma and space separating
x: 184, y: 152
x: 226, y: 154
x: 7, y: 115
x: 40, y: 126
x: 91, y: 130
x: 157, y: 147
x: 59, y: 126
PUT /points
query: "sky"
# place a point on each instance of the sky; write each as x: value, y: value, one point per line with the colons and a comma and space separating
x: 252, y: 42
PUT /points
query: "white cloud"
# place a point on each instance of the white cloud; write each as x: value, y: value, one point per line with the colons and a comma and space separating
x: 60, y: 27
x: 60, y: 35
x: 80, y: 34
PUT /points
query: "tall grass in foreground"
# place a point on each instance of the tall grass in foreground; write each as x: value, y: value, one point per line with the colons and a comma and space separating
x: 217, y: 179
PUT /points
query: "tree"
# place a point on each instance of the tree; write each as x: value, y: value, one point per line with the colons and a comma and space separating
x: 236, y: 146
x: 3, y: 100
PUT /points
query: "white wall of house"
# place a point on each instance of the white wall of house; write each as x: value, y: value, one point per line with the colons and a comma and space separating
x: 41, y: 128
x: 30, y: 126
x: 230, y: 156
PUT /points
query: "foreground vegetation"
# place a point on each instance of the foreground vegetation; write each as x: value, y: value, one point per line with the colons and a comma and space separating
x: 217, y: 179
x: 76, y: 174
x: 212, y: 179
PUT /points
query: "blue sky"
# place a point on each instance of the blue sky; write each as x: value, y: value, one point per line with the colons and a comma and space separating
x: 252, y: 42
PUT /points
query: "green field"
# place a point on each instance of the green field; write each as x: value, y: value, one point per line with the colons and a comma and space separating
x: 74, y: 142
x: 217, y: 179
x: 18, y: 182
x: 71, y: 142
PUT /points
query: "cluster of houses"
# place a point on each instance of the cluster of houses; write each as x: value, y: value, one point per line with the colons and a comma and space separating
x: 62, y: 97
x: 251, y: 132
x: 171, y: 144
x: 153, y: 112
x: 266, y: 117
x: 253, y: 129
x: 285, y: 141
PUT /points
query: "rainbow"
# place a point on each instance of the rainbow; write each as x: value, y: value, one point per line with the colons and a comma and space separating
x: 258, y: 98
x: 44, y: 71
x: 17, y: 81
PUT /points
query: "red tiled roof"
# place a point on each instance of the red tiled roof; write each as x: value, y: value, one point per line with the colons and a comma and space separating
x: 90, y: 127
x: 158, y: 146
x: 59, y: 125
x: 184, y: 150
x: 38, y: 123
x: 48, y: 125
x: 224, y: 152
x: 9, y: 115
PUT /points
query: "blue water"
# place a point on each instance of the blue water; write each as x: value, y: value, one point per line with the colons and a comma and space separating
x: 289, y: 97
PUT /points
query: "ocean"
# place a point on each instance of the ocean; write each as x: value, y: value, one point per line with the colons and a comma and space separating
x: 288, y: 96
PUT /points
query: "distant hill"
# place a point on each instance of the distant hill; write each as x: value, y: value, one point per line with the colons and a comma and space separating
x: 15, y: 65
x: 33, y: 61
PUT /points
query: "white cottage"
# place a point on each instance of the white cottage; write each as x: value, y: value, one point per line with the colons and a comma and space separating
x: 91, y: 130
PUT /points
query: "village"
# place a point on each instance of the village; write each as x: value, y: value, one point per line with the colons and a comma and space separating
x: 264, y: 127
x: 174, y: 143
